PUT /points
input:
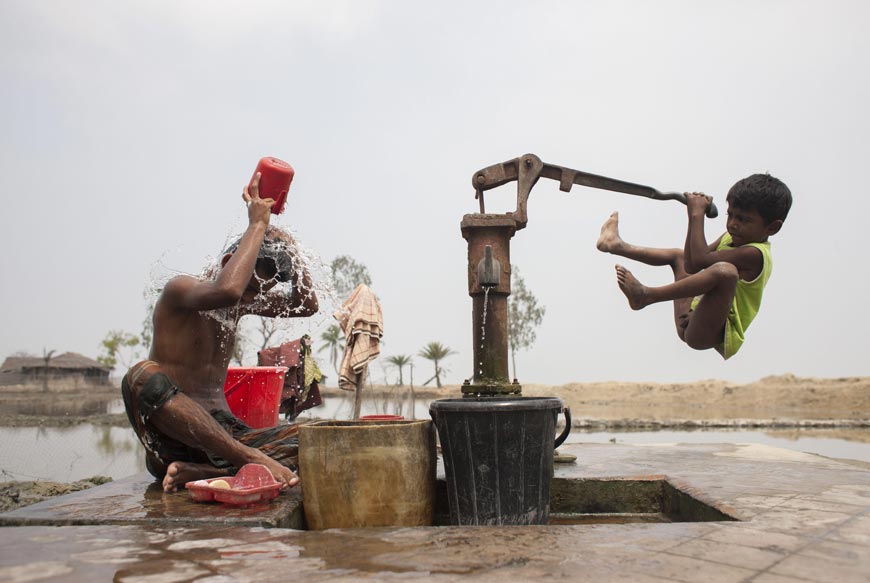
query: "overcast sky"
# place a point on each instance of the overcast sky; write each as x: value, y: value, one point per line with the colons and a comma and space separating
x: 129, y: 129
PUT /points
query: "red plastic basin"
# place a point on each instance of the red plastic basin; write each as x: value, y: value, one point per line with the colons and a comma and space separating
x: 253, y: 483
x: 254, y: 393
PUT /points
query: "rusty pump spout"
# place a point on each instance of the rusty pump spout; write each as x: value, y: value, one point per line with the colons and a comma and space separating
x: 489, y: 264
x: 488, y: 270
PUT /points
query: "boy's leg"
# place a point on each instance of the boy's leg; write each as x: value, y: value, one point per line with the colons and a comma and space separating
x: 610, y: 242
x: 702, y: 328
x: 706, y: 327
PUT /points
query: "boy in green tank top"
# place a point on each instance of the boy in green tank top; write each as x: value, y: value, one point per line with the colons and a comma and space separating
x: 717, y: 288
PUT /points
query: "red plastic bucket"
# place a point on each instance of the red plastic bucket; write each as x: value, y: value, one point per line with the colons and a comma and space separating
x: 254, y: 393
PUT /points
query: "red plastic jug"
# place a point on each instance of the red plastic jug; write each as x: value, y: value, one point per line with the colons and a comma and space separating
x: 275, y: 178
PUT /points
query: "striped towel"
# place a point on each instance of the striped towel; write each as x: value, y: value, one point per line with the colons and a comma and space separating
x: 362, y: 322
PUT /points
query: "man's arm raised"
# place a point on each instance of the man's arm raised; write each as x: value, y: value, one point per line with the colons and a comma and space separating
x: 232, y: 280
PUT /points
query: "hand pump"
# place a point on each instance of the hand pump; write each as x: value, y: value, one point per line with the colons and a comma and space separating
x: 489, y: 266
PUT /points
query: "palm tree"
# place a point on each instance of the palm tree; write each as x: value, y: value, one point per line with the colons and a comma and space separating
x: 333, y: 339
x: 400, y: 360
x: 435, y: 351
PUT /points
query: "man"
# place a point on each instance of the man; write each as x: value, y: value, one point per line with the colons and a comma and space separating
x: 175, y: 400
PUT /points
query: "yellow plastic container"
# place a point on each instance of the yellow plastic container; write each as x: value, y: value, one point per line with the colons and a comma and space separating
x: 359, y: 474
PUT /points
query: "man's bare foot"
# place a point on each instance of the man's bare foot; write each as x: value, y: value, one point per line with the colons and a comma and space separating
x: 632, y: 288
x: 179, y: 473
x: 609, y: 240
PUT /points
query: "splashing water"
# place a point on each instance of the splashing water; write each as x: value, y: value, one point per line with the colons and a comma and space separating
x: 483, y: 326
x: 281, y: 328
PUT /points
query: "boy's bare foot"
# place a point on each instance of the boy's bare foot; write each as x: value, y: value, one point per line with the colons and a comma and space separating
x: 609, y: 240
x: 179, y: 473
x: 632, y: 288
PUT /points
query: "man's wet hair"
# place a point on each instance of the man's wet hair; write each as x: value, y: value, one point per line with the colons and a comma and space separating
x: 768, y: 195
x: 272, y: 258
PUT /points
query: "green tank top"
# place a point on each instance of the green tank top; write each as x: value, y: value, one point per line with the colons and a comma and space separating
x: 747, y: 300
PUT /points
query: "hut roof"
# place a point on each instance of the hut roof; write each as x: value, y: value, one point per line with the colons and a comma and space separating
x: 67, y: 360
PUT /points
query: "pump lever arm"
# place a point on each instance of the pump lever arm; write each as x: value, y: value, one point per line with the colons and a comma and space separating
x: 568, y: 177
x: 527, y: 169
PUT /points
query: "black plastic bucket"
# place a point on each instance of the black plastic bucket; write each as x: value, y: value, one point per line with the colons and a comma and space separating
x: 498, y: 457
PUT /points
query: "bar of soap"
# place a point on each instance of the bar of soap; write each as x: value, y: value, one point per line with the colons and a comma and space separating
x: 222, y: 484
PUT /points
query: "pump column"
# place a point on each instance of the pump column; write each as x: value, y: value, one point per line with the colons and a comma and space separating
x: 490, y: 339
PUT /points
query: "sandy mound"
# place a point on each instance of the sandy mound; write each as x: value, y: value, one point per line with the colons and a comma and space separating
x: 784, y: 397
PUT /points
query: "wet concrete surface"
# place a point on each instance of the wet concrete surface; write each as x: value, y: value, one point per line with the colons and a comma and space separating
x: 801, y: 518
x: 140, y: 499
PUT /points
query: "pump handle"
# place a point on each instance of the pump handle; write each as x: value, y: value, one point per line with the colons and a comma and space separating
x: 526, y: 170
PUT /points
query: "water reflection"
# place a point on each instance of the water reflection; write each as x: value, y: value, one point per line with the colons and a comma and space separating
x: 846, y: 443
x: 67, y: 454
x: 60, y: 405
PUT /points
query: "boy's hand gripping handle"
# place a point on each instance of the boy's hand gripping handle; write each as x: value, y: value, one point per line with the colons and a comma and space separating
x: 712, y: 211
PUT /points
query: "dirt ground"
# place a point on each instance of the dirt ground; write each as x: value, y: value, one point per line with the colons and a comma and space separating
x: 772, y: 401
x: 15, y: 494
x: 784, y: 400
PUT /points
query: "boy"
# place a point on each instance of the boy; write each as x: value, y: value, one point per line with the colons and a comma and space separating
x: 175, y: 400
x: 717, y: 289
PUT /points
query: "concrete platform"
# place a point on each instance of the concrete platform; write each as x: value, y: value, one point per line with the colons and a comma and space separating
x: 801, y: 518
x: 140, y: 499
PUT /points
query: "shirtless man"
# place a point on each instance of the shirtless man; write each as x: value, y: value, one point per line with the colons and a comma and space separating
x: 175, y: 400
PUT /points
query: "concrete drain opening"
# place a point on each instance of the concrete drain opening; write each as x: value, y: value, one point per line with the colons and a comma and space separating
x: 613, y: 501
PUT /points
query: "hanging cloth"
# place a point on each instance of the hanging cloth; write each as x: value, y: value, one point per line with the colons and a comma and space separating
x: 301, y: 390
x: 362, y: 322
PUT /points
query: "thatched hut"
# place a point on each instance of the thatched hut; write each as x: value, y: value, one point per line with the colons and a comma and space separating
x: 65, y: 371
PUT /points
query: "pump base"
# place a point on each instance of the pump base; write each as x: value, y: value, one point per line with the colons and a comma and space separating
x: 490, y: 389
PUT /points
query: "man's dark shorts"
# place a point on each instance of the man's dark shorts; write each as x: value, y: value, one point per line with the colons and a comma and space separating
x: 146, y: 389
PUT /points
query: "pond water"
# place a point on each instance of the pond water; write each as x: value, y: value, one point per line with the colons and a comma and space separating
x: 853, y: 444
x: 66, y: 454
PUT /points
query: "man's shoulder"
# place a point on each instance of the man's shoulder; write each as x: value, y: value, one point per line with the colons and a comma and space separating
x: 177, y: 284
x: 182, y: 279
x: 174, y: 293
